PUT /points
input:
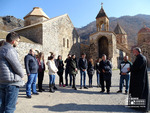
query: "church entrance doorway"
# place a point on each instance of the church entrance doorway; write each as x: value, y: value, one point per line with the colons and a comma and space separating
x: 103, y: 46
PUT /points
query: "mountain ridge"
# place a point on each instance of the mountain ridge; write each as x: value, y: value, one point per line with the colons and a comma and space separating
x: 131, y: 25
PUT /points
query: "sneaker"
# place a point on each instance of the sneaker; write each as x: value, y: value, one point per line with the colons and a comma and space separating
x: 64, y: 85
x: 75, y: 88
x: 35, y: 93
x: 119, y: 91
x: 29, y: 96
x: 59, y: 85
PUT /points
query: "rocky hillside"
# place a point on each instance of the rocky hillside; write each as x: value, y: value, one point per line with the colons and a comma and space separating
x: 10, y: 22
x: 131, y: 24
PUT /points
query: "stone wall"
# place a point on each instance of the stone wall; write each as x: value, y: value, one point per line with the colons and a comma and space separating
x: 51, y: 34
x: 146, y: 52
x: 33, y: 19
x: 33, y: 33
x: 112, y: 50
x: 143, y: 37
x: 122, y: 40
x: 58, y: 30
x: 23, y: 49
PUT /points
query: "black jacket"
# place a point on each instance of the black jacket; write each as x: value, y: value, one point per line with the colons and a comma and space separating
x: 107, y: 67
x: 73, y: 66
x: 31, y: 64
x: 82, y: 64
x: 60, y: 66
x: 90, y: 69
x: 67, y: 61
x: 139, y: 83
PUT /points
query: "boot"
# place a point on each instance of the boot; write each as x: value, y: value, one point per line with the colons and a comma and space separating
x: 54, y: 87
x: 51, y: 89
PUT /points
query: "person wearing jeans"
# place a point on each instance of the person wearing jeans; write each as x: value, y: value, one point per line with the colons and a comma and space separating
x: 31, y: 83
x: 98, y: 72
x: 52, y: 72
x: 51, y: 79
x: 11, y: 74
x: 31, y: 65
x: 83, y: 66
x: 127, y: 79
x: 124, y: 74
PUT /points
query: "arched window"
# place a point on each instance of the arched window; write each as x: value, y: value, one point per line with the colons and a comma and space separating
x: 63, y: 42
x: 67, y: 43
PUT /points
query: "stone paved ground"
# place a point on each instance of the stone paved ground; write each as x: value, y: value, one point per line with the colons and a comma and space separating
x: 67, y: 100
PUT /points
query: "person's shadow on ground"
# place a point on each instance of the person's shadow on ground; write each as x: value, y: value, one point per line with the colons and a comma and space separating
x: 86, y: 107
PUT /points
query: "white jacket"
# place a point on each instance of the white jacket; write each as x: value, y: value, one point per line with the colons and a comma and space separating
x: 52, y: 67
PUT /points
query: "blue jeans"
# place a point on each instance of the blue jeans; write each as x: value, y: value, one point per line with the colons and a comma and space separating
x: 8, y: 98
x: 51, y: 79
x: 98, y: 78
x: 126, y: 78
x: 31, y: 83
x: 83, y: 78
x: 66, y: 77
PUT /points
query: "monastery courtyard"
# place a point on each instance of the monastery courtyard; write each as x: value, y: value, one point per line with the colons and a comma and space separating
x: 67, y: 100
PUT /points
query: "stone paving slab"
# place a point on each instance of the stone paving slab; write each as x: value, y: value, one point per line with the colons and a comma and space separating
x: 67, y: 100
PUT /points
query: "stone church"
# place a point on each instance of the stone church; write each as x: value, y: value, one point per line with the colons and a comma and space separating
x: 143, y: 41
x: 56, y: 34
x: 112, y: 43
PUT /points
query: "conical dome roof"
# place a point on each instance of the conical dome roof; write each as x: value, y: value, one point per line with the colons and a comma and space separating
x: 144, y: 30
x: 101, y: 13
x: 119, y: 30
x: 37, y: 11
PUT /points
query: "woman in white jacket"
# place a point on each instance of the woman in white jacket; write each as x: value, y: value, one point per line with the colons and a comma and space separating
x: 52, y: 71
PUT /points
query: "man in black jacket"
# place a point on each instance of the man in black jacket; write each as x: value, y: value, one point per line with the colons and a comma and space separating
x: 105, y: 68
x: 139, y: 84
x: 31, y: 65
x: 83, y: 67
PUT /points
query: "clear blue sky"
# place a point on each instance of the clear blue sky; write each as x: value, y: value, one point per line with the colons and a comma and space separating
x: 81, y: 12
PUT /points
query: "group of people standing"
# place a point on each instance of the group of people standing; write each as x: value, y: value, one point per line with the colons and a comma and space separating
x: 11, y: 74
x: 35, y: 66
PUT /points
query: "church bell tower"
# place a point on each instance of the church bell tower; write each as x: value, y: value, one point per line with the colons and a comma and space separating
x: 102, y: 19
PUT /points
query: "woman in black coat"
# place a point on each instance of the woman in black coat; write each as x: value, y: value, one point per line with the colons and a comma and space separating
x: 90, y: 71
x: 73, y: 69
x: 60, y: 66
